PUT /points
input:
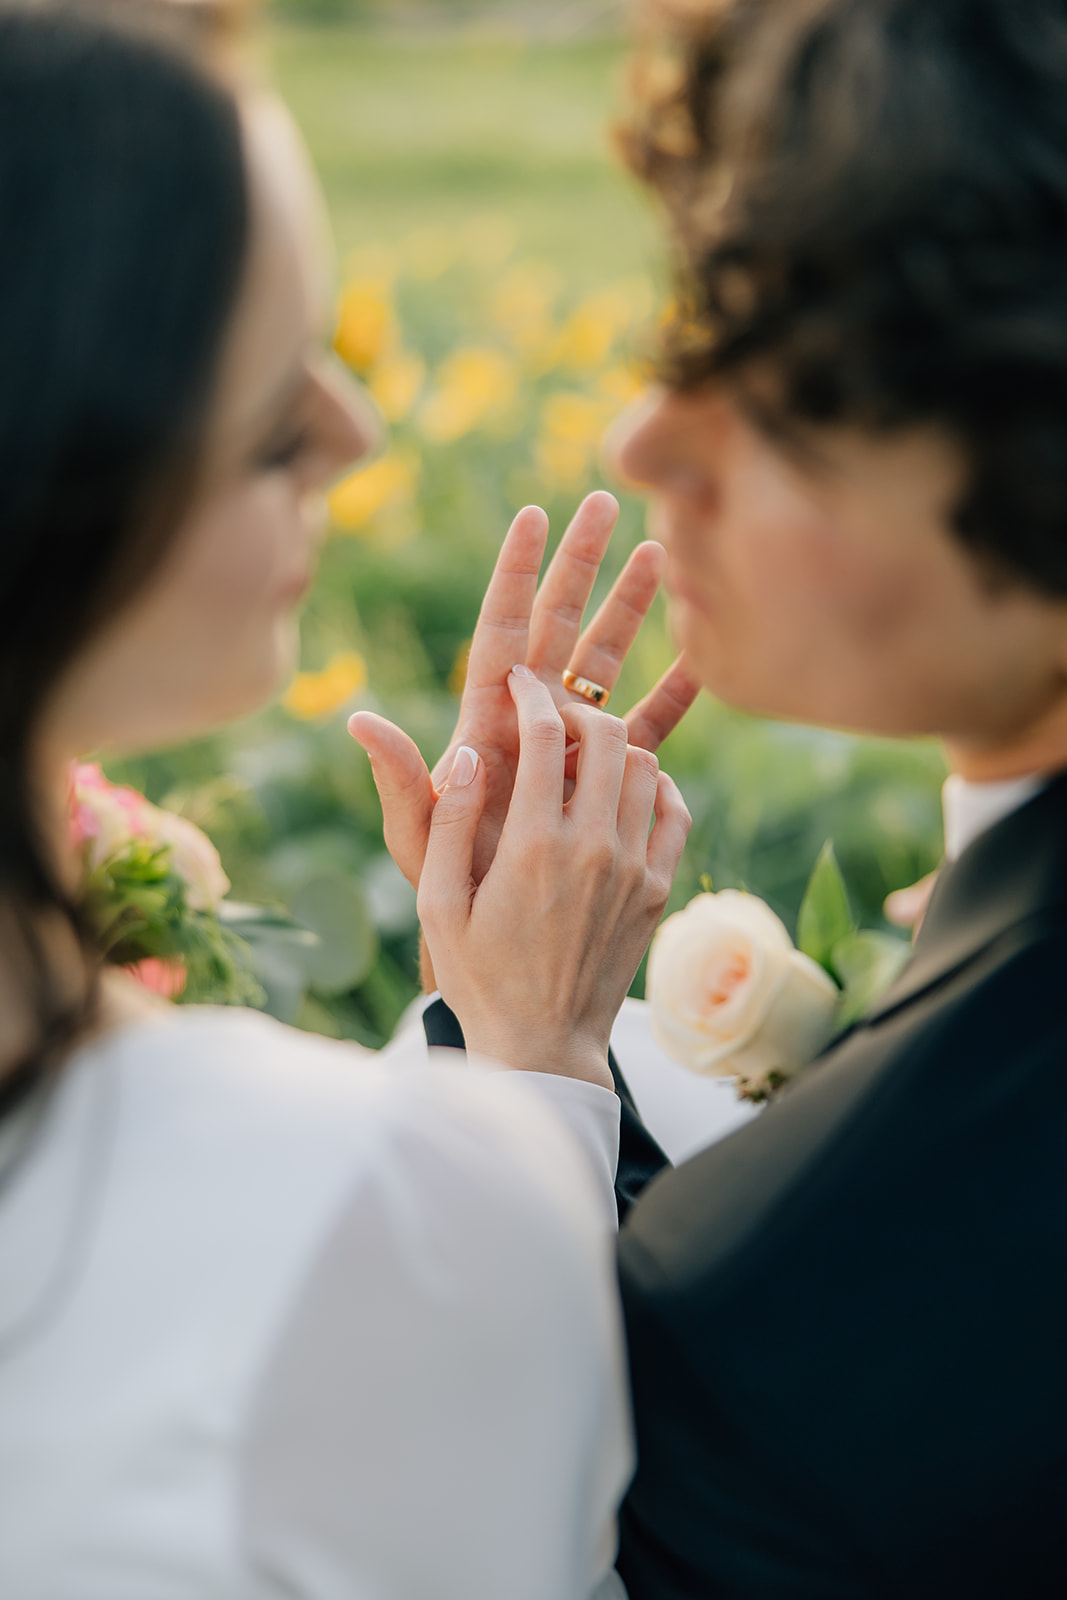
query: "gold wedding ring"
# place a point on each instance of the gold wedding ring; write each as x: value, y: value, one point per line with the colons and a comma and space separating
x: 595, y: 693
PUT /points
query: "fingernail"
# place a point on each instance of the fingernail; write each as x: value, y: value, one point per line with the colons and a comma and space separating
x: 571, y: 748
x: 464, y: 768
x: 522, y: 671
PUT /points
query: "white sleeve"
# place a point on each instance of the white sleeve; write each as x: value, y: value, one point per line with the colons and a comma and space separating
x: 444, y: 1416
x: 592, y: 1113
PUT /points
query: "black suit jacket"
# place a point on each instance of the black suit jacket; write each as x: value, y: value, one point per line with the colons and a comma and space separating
x: 848, y: 1321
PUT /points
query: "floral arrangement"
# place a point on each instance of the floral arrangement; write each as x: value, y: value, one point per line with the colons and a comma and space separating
x: 730, y: 994
x: 152, y: 888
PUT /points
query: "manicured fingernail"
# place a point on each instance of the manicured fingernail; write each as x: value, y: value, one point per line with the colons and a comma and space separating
x: 464, y: 767
x: 522, y: 671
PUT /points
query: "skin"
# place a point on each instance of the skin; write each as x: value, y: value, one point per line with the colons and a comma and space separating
x: 821, y: 581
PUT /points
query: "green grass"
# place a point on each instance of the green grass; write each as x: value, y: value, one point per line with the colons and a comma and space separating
x: 409, y: 135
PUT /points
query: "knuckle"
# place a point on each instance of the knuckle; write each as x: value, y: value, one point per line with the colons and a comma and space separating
x: 545, y: 730
x: 643, y: 761
x: 658, y: 888
x: 598, y: 856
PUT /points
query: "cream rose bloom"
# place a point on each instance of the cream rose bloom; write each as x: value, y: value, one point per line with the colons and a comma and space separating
x: 729, y: 993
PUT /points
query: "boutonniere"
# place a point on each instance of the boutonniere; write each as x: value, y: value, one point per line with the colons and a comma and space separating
x: 731, y: 995
x: 152, y: 889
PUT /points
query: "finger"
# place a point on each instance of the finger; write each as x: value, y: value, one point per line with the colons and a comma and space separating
x: 447, y: 883
x: 404, y: 789
x: 605, y: 644
x: 907, y: 907
x: 667, y: 839
x: 659, y: 713
x: 537, y: 797
x: 501, y: 636
x: 640, y: 786
x: 568, y: 583
x: 601, y: 766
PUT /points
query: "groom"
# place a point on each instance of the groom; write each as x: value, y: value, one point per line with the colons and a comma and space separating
x: 847, y: 1322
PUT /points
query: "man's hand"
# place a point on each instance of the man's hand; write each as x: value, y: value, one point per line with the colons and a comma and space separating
x: 539, y: 627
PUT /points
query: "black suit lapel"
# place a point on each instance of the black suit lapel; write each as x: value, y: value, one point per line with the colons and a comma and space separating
x: 1014, y: 872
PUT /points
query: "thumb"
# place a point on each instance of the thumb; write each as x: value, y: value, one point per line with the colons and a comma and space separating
x: 447, y: 880
x: 404, y: 789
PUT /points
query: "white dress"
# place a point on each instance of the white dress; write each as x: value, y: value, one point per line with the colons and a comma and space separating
x: 278, y: 1319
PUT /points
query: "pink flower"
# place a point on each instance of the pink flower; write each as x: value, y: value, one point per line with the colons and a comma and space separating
x: 105, y: 816
x: 166, y: 978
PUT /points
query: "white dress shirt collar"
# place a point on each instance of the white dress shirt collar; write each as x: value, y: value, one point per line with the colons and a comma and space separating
x: 970, y: 808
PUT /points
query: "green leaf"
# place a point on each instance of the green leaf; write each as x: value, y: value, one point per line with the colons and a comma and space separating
x: 865, y: 964
x: 825, y: 918
x: 336, y: 910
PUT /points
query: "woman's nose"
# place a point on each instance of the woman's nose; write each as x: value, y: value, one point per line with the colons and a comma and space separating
x: 350, y: 426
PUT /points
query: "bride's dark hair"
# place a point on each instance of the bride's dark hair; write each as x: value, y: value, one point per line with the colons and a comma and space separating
x: 123, y: 223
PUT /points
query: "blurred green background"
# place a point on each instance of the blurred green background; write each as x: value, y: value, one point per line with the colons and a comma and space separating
x: 498, y: 275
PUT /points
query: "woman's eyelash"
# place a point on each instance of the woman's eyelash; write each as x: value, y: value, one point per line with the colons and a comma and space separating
x: 285, y: 451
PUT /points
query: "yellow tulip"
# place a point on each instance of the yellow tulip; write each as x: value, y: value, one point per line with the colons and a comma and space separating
x: 473, y: 387
x: 312, y: 695
x: 521, y: 306
x: 365, y: 324
x: 397, y: 384
x: 357, y: 499
x: 571, y: 428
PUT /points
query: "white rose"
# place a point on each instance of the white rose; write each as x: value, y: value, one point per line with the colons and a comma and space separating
x: 193, y: 856
x: 729, y: 993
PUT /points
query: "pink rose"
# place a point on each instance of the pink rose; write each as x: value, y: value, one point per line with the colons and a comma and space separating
x: 166, y: 978
x: 105, y: 817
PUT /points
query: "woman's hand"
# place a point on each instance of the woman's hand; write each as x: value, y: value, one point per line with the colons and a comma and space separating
x: 536, y: 958
x: 540, y: 627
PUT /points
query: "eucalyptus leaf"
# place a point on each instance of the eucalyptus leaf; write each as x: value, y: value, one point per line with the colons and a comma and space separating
x: 336, y: 910
x: 825, y: 917
x: 865, y: 964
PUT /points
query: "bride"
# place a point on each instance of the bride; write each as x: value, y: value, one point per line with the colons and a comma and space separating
x: 274, y: 1319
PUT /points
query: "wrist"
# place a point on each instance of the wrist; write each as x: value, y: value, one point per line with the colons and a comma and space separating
x: 532, y: 1051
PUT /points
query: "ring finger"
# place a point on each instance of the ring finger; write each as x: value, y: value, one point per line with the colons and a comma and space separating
x: 604, y: 645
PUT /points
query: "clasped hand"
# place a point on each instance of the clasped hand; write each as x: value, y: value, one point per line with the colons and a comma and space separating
x: 528, y: 933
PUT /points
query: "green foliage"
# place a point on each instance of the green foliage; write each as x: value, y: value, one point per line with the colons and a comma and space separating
x: 824, y: 920
x: 862, y: 962
x: 137, y: 904
x: 865, y: 963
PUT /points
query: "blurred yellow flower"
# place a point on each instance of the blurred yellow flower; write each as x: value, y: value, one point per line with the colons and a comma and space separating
x: 317, y: 694
x: 620, y: 385
x: 572, y: 425
x: 457, y: 678
x: 365, y: 324
x: 375, y: 260
x: 592, y: 328
x: 429, y: 252
x: 474, y: 386
x: 357, y: 499
x: 490, y: 239
x: 521, y: 306
x: 397, y: 383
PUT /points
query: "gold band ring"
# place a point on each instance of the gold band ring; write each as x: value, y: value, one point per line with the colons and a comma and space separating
x: 595, y: 693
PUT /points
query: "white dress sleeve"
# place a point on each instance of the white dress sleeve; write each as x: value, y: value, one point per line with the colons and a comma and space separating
x: 444, y: 1414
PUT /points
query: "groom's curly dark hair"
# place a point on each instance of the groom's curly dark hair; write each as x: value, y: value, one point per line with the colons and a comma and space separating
x: 871, y: 202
